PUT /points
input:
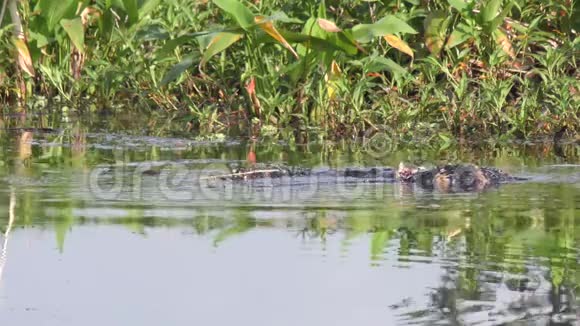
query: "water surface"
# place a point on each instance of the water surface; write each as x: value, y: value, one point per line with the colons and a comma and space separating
x: 88, y: 238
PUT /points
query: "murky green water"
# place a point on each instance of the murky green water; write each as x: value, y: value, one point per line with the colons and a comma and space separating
x: 89, y: 239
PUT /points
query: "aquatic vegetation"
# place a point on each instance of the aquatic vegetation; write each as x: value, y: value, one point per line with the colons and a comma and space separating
x: 331, y: 68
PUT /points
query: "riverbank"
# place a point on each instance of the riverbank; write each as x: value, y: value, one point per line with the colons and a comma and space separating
x: 440, y: 70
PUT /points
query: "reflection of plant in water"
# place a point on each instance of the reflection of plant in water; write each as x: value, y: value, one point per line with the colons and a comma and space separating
x: 11, y: 217
x: 242, y: 222
x: 495, y: 254
x: 501, y: 297
x: 490, y: 239
x: 497, y: 261
x: 319, y: 224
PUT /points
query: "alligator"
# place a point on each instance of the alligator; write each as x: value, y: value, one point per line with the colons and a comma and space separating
x: 444, y: 178
x: 455, y: 177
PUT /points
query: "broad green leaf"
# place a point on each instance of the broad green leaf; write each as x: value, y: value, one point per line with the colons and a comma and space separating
x: 310, y: 41
x: 147, y: 7
x: 394, y: 23
x: 341, y: 40
x: 347, y: 42
x: 322, y: 10
x: 41, y: 40
x: 53, y: 11
x: 311, y: 28
x: 107, y: 23
x: 458, y: 36
x: 387, y: 25
x: 170, y: 45
x: 447, y: 142
x: 460, y: 5
x: 132, y: 9
x: 490, y: 10
x: 435, y: 31
x: 178, y: 69
x: 219, y: 43
x: 268, y: 27
x: 497, y: 21
x: 377, y: 64
x: 399, y: 44
x: 204, y: 40
x: 236, y: 9
x: 280, y: 16
x: 152, y: 33
x: 297, y: 69
x: 575, y: 18
x: 75, y: 30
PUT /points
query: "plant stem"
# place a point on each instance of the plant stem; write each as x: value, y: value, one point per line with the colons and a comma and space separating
x: 15, y: 16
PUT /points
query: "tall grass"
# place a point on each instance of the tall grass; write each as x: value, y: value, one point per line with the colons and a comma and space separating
x: 335, y: 68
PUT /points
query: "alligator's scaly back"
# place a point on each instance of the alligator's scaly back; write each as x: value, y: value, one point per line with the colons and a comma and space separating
x: 469, y: 177
x: 446, y: 178
x: 461, y: 177
x: 497, y: 176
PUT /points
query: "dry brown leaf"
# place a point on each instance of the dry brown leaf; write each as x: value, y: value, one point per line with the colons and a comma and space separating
x: 399, y: 44
x: 267, y: 26
x: 332, y: 77
x: 89, y: 13
x: 503, y: 41
x: 328, y: 26
x: 24, y: 59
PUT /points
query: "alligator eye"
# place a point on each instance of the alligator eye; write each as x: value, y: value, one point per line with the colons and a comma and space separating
x: 425, y: 179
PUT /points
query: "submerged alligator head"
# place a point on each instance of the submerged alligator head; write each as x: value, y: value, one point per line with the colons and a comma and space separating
x: 412, y: 173
x: 406, y: 172
x: 454, y: 177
